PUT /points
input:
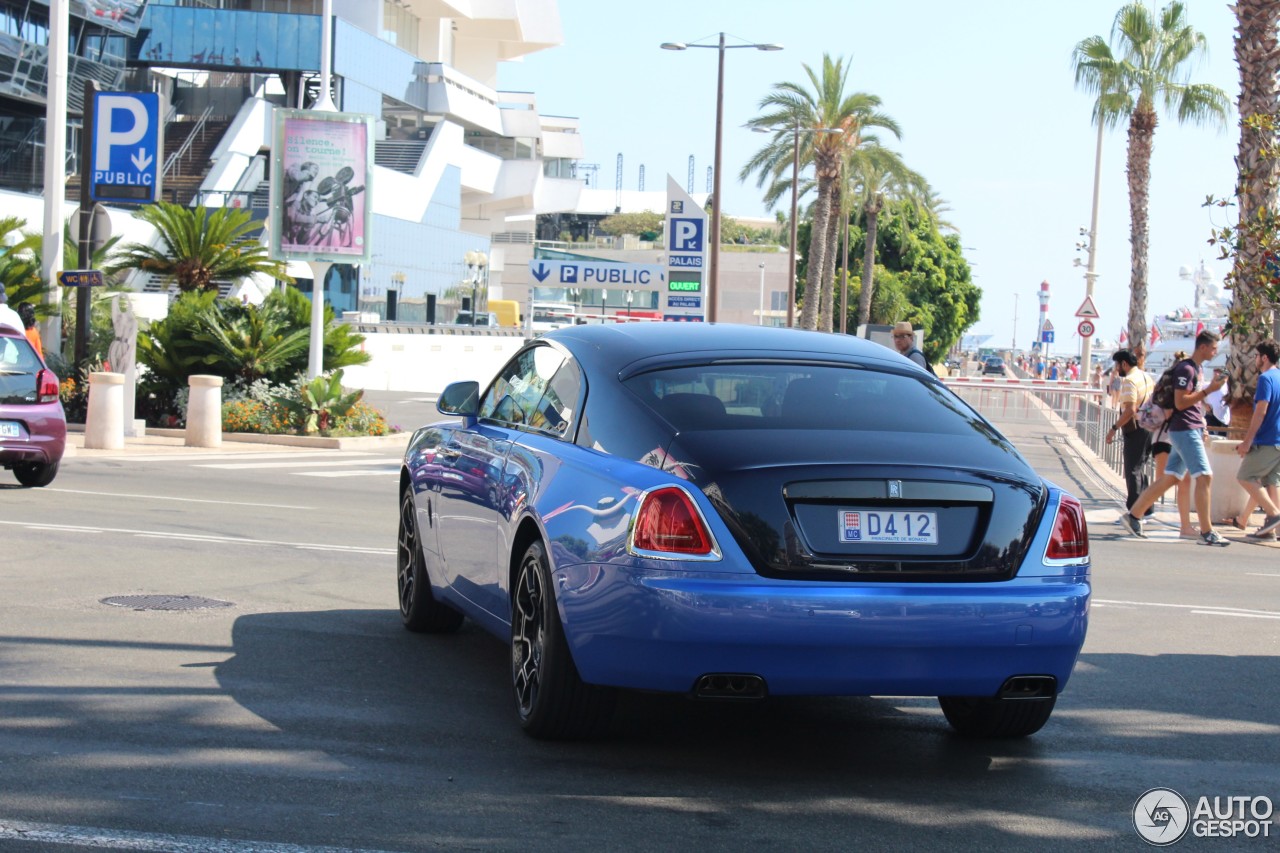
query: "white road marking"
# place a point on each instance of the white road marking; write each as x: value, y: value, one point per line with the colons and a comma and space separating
x: 1194, y: 608
x: 1262, y: 575
x: 246, y: 466
x: 179, y: 500
x: 118, y: 839
x: 389, y: 473
x: 201, y: 537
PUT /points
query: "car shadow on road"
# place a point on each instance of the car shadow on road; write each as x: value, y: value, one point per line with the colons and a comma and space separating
x: 357, y: 676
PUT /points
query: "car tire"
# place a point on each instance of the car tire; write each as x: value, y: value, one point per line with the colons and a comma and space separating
x: 552, y: 700
x: 984, y: 717
x: 419, y: 609
x: 35, y: 474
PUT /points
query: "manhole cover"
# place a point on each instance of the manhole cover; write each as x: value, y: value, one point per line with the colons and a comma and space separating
x: 164, y: 602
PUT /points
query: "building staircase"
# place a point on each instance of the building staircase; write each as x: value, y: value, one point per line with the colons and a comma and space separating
x: 188, y: 145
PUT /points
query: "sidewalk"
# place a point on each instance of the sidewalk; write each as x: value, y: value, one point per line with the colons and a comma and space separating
x: 159, y: 442
x: 1058, y: 455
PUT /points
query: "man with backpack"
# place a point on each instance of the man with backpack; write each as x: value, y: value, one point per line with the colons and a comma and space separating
x: 904, y: 341
x: 1135, y: 388
x: 1186, y: 434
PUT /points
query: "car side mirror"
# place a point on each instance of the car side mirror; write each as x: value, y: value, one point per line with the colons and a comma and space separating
x: 462, y: 399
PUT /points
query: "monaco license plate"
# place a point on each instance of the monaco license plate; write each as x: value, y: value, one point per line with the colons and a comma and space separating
x: 9, y: 429
x: 884, y: 527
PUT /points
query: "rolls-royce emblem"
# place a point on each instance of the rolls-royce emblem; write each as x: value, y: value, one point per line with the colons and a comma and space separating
x: 895, y: 488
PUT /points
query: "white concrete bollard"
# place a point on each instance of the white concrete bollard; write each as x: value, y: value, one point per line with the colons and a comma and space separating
x: 104, y: 422
x: 204, y: 411
x: 1227, y: 497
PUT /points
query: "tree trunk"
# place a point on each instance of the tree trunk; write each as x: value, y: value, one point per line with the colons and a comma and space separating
x: 825, y: 310
x: 1142, y: 128
x: 872, y: 210
x: 816, y: 259
x: 1251, y: 313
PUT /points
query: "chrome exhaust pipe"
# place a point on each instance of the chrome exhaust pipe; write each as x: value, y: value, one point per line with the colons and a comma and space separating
x: 1029, y: 687
x: 729, y: 685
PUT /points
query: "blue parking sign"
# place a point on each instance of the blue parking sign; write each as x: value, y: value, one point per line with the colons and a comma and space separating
x: 686, y: 234
x: 127, y: 149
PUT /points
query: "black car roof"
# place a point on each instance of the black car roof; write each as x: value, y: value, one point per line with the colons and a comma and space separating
x: 615, y: 348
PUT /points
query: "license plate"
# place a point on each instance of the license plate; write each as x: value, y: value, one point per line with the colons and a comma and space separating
x: 9, y: 429
x: 883, y: 527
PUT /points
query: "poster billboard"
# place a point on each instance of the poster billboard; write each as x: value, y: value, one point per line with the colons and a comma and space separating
x: 321, y: 169
x: 120, y: 15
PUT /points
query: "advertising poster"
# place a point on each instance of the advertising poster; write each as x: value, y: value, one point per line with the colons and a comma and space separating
x: 121, y: 15
x: 320, y: 195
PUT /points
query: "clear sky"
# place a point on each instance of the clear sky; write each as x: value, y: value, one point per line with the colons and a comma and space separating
x: 985, y: 96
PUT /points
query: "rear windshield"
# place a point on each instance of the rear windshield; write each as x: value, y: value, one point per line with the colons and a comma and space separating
x: 803, y: 397
x: 19, y: 365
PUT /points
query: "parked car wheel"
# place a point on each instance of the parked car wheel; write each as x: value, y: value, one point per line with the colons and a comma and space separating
x: 551, y: 698
x: 419, y: 609
x: 979, y: 716
x: 35, y: 474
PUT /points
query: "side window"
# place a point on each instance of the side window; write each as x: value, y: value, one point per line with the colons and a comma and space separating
x: 515, y: 396
x: 556, y: 409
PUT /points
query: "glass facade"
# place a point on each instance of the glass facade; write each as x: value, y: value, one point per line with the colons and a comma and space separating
x: 175, y: 35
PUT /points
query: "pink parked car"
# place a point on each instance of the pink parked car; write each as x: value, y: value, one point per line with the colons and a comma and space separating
x: 33, y: 428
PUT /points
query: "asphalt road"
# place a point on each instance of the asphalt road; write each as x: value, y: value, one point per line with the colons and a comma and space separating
x: 302, y: 715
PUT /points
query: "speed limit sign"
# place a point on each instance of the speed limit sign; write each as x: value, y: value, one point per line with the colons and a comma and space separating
x: 1085, y: 329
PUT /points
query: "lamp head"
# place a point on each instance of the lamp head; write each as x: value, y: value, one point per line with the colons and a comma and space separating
x: 768, y: 47
x: 674, y: 45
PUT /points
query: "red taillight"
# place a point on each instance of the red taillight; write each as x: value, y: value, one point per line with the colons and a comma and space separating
x: 1070, y: 538
x: 667, y: 522
x: 48, y: 385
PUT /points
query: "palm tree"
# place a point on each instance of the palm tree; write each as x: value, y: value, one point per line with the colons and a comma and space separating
x: 20, y: 264
x: 938, y: 207
x: 1251, y: 308
x: 198, y: 248
x: 876, y: 174
x: 829, y: 124
x: 1149, y: 63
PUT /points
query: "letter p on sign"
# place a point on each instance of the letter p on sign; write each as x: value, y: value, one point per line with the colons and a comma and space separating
x: 115, y: 131
x: 686, y: 235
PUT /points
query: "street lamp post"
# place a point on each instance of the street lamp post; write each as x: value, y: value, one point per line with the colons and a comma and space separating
x: 713, y: 266
x: 762, y: 293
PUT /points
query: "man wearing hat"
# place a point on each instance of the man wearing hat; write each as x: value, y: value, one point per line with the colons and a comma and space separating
x: 904, y: 340
x: 8, y: 317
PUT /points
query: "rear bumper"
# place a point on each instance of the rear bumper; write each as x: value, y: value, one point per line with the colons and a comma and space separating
x: 43, y: 437
x: 636, y: 628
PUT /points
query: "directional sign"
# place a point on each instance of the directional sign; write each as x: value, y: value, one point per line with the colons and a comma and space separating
x: 1047, y: 336
x: 1087, y: 310
x: 127, y: 147
x: 1085, y: 329
x: 686, y: 234
x: 598, y: 274
x: 80, y: 278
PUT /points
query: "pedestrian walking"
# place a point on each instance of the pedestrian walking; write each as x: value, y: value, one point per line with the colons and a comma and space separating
x: 27, y: 312
x: 1135, y: 387
x: 1186, y: 435
x: 1260, y: 448
x: 8, y: 317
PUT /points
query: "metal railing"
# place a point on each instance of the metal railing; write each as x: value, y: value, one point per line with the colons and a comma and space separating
x: 1084, y: 410
x: 171, y: 163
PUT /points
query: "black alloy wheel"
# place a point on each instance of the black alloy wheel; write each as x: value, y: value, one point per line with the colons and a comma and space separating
x: 552, y: 700
x: 419, y: 609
